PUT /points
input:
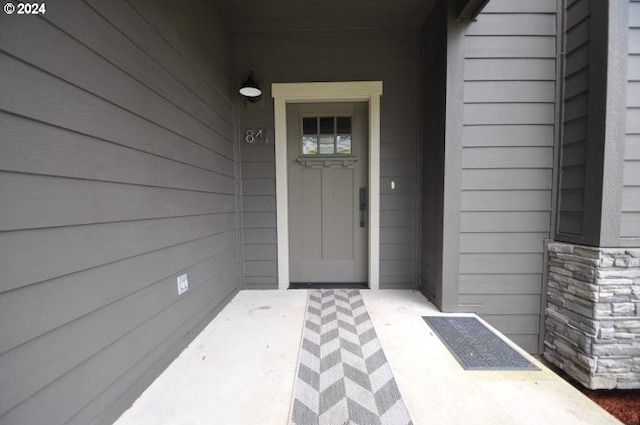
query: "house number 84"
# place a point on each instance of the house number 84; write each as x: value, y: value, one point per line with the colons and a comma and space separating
x: 253, y: 136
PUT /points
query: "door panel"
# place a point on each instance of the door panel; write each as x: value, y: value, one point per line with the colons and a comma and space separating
x: 337, y: 214
x: 311, y: 207
x: 326, y: 241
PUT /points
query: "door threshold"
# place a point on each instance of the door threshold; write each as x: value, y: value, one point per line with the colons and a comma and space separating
x: 329, y: 285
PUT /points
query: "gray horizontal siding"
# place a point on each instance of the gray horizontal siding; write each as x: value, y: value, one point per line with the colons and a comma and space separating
x: 501, y: 243
x: 630, y: 220
x: 575, y: 121
x: 487, y: 69
x: 507, y: 164
x: 117, y: 174
x: 64, y: 250
x: 259, y: 214
x: 388, y: 55
x: 74, y: 154
x: 520, y: 6
x: 92, y: 202
x: 494, y: 24
x: 500, y: 284
x: 510, y: 46
x: 509, y: 91
x: 501, y: 221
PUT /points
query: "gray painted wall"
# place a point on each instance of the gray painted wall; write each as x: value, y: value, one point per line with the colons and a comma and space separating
x: 434, y: 68
x: 507, y: 163
x: 392, y: 56
x: 116, y: 175
x: 630, y: 221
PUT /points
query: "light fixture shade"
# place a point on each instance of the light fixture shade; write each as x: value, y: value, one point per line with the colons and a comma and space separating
x: 250, y: 89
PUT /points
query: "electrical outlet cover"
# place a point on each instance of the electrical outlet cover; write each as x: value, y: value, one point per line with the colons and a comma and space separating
x: 183, y: 284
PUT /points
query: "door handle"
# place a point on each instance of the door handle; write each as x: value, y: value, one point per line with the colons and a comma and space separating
x: 363, y: 206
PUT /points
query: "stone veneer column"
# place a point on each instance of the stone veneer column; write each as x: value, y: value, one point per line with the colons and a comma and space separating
x: 593, y: 314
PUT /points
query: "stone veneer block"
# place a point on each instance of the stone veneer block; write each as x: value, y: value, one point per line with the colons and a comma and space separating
x: 593, y: 314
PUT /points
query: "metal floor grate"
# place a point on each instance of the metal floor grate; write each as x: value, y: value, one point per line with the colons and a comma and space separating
x: 475, y: 346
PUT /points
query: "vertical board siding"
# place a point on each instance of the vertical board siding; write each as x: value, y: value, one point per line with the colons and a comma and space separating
x: 117, y: 174
x: 507, y: 164
x: 388, y: 55
x: 575, y: 121
x: 630, y: 221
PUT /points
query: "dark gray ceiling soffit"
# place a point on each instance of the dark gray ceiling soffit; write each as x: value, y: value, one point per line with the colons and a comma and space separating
x: 470, y: 9
x: 318, y: 15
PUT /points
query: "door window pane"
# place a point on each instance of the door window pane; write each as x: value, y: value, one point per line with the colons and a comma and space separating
x: 343, y: 144
x: 343, y: 125
x: 309, y: 145
x: 326, y: 125
x: 310, y: 125
x: 327, y: 145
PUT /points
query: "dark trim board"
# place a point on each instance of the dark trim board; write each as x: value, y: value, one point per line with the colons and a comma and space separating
x: 329, y: 285
x: 454, y: 124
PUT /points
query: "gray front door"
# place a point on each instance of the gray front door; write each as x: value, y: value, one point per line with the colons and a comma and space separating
x: 327, y: 152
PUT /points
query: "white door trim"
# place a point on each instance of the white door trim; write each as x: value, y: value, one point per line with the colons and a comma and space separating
x: 353, y: 91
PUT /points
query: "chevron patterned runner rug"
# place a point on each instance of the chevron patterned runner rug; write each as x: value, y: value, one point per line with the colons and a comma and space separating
x: 343, y: 377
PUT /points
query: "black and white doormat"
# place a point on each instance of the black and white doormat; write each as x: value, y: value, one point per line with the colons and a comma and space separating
x: 343, y: 376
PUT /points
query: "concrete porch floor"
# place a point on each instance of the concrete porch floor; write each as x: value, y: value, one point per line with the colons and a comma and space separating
x: 240, y: 371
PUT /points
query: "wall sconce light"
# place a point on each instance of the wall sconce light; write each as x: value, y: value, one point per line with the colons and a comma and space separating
x: 250, y: 89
